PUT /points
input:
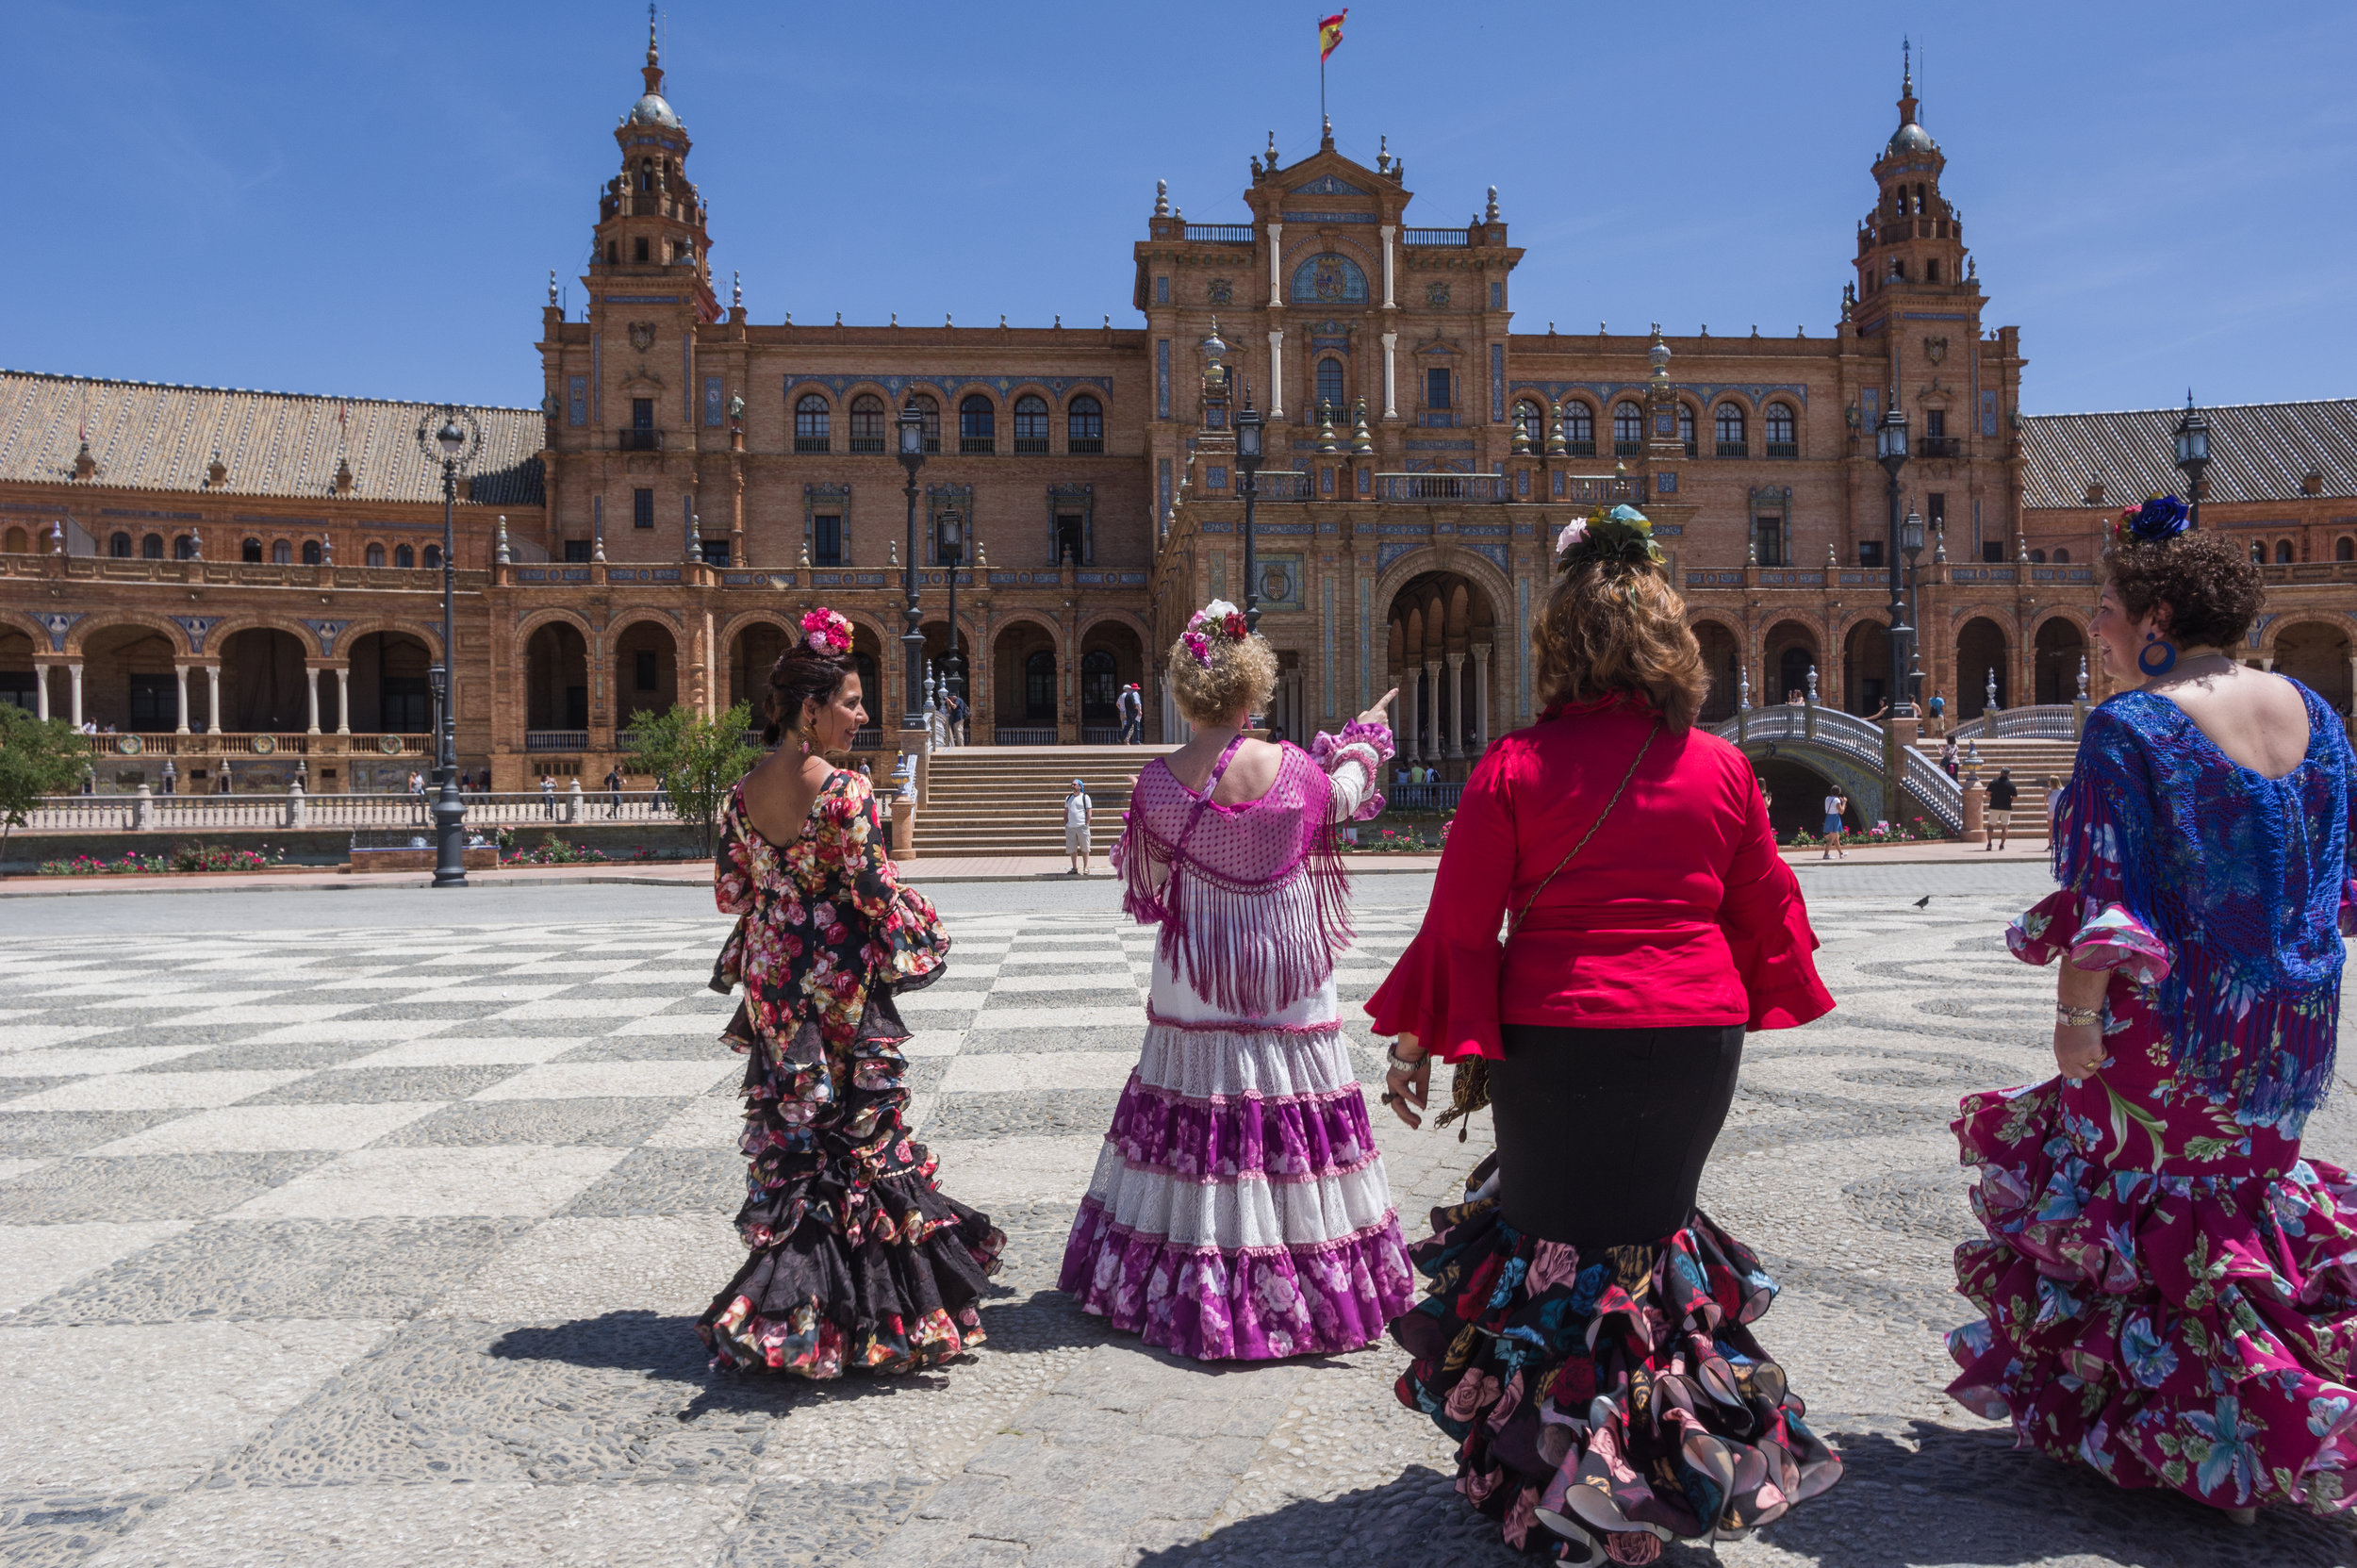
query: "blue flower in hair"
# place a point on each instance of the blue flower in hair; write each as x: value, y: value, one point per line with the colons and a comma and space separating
x: 2156, y: 521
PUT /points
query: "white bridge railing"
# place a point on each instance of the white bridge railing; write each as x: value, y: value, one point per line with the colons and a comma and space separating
x: 2045, y: 721
x: 144, y: 812
x: 1856, y: 740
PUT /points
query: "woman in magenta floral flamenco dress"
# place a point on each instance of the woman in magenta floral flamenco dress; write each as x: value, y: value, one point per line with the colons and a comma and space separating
x: 1586, y: 1337
x: 2171, y: 1289
x: 857, y: 1259
x: 1239, y: 1208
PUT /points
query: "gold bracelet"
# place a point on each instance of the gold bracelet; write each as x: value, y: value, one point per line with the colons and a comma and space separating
x: 2077, y: 1017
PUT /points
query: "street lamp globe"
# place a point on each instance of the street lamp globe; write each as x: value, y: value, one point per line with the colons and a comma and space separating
x: 1248, y: 438
x: 952, y: 535
x: 1911, y: 535
x: 1890, y: 440
x: 451, y: 439
x: 912, y: 432
x: 2193, y: 439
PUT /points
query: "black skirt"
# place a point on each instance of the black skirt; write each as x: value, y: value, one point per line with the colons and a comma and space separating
x: 1602, y: 1133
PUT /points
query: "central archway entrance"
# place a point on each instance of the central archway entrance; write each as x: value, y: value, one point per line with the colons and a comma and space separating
x: 1442, y: 644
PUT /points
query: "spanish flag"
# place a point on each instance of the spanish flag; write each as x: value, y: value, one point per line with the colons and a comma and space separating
x: 1330, y: 33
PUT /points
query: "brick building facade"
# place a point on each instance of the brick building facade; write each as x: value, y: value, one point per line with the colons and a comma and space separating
x: 245, y: 580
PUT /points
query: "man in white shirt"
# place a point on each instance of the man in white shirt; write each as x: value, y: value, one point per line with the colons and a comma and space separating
x: 1077, y: 809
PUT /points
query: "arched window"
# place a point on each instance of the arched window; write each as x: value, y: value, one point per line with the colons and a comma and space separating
x: 1039, y: 688
x: 151, y: 548
x: 403, y: 556
x: 1727, y: 424
x: 2283, y: 552
x: 251, y: 553
x: 868, y: 424
x: 1331, y: 384
x: 2259, y: 552
x: 1030, y: 424
x: 433, y: 557
x: 2345, y: 548
x: 646, y: 173
x: 310, y: 552
x: 1100, y: 687
x: 184, y: 548
x: 281, y: 552
x: 120, y: 547
x: 978, y: 424
x: 813, y: 423
x: 2037, y: 557
x: 1579, y: 429
x: 18, y: 542
x: 2062, y: 557
x: 1531, y: 423
x: 1628, y: 430
x: 1685, y: 427
x: 1784, y: 436
x: 1084, y: 425
x: 931, y: 412
x: 376, y: 556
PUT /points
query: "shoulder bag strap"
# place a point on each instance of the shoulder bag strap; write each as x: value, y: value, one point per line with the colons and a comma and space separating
x: 1514, y: 921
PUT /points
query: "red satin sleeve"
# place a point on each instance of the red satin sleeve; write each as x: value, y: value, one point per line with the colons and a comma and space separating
x: 1444, y: 988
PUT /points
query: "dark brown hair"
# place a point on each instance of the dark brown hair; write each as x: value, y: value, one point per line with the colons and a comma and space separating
x: 800, y: 673
x: 1611, y: 626
x: 2211, y: 588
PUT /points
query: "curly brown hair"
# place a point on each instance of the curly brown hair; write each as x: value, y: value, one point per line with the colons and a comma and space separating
x: 1240, y: 676
x: 1613, y: 627
x: 2209, y: 588
x: 800, y: 674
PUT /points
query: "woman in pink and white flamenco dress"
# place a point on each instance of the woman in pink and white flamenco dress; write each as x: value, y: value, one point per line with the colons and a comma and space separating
x: 1239, y: 1208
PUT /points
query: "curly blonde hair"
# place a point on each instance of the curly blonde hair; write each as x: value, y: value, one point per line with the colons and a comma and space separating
x: 1241, y: 677
x: 1610, y: 627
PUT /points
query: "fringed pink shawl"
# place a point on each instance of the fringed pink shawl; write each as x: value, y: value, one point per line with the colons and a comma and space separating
x: 1252, y: 898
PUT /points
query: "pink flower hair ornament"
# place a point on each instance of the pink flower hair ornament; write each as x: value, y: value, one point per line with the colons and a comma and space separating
x: 826, y: 631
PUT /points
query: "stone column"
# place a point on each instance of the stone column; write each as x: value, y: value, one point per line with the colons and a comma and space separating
x: 1387, y: 231
x: 1391, y: 379
x: 212, y: 699
x: 311, y: 700
x: 1275, y: 236
x: 1410, y: 710
x: 343, y: 699
x: 1458, y: 694
x: 40, y: 689
x: 1275, y: 373
x: 181, y: 698
x: 1482, y: 694
x: 1436, y: 748
x: 73, y: 679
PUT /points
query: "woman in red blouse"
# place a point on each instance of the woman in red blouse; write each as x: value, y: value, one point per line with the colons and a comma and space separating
x: 1583, y: 1338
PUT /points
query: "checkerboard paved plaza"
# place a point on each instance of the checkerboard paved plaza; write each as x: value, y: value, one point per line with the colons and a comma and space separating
x: 381, y: 1246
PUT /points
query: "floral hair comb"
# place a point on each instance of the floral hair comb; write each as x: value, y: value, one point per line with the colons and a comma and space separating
x: 1219, y: 619
x: 2157, y: 521
x: 1623, y: 536
x: 826, y: 631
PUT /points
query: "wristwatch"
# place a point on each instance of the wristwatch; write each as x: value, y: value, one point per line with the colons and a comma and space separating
x: 2077, y: 1017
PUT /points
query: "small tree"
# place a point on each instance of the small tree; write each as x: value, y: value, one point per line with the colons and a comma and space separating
x: 38, y: 757
x: 694, y: 759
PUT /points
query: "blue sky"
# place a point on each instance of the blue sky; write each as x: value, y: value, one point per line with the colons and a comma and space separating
x: 367, y: 200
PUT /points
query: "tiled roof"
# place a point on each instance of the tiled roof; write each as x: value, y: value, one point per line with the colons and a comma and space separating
x: 2258, y: 451
x: 147, y: 436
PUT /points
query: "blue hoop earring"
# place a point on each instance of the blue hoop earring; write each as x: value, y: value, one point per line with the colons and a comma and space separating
x: 2155, y: 643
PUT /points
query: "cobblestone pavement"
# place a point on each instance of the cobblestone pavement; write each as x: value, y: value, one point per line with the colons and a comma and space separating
x: 381, y: 1246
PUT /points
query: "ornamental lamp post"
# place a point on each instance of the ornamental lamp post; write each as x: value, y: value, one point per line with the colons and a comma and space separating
x: 2193, y: 453
x: 953, y: 557
x: 1890, y: 451
x: 912, y: 428
x: 1911, y: 545
x: 450, y: 436
x: 1248, y: 425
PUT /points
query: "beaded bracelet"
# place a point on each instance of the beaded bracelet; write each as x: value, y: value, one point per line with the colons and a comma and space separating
x: 2077, y: 1017
x: 1400, y: 1064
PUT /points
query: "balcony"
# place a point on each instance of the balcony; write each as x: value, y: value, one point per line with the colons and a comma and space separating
x: 1628, y: 449
x: 557, y: 741
x: 1484, y: 488
x: 1939, y: 446
x: 1732, y: 449
x: 821, y: 443
x: 868, y: 444
x: 1220, y: 234
x: 1284, y: 485
x: 638, y: 440
x: 1579, y: 449
x: 1084, y: 446
x: 1435, y: 237
x: 1027, y: 446
x: 977, y: 446
x: 1783, y: 448
x: 1609, y: 489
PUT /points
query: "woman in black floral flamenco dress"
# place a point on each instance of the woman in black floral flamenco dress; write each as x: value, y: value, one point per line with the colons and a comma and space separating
x: 857, y: 1259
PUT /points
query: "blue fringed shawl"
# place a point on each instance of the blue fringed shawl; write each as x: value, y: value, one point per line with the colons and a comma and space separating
x: 2242, y: 876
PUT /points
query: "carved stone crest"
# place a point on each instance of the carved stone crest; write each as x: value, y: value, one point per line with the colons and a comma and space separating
x: 1436, y: 293
x: 1220, y: 290
x: 1934, y: 349
x: 642, y: 335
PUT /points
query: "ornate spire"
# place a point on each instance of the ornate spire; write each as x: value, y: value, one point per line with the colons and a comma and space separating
x: 1907, y: 83
x: 652, y: 70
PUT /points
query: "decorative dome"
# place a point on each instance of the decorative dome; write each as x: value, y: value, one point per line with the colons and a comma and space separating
x: 1911, y: 137
x: 653, y: 111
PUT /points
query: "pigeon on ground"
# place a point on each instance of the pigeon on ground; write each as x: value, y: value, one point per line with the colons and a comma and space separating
x: 1924, y: 902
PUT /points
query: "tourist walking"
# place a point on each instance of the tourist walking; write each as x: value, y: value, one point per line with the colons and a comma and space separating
x: 1938, y: 707
x: 1132, y: 710
x: 1948, y: 756
x: 1587, y: 1341
x: 857, y: 1261
x: 2001, y: 793
x: 2164, y: 1278
x: 614, y: 790
x: 1837, y: 818
x: 548, y: 796
x: 1238, y: 1208
x: 1078, y: 809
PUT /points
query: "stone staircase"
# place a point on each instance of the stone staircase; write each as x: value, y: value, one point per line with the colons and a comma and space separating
x: 1009, y: 800
x: 2033, y: 761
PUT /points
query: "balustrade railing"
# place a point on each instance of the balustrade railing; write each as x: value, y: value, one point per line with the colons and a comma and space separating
x: 1858, y: 740
x: 1422, y: 796
x: 556, y: 740
x: 1100, y: 734
x: 1283, y: 485
x: 226, y: 743
x: 1435, y: 237
x: 1483, y: 488
x: 1220, y: 234
x: 2042, y: 721
x: 294, y: 809
x: 1012, y: 735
